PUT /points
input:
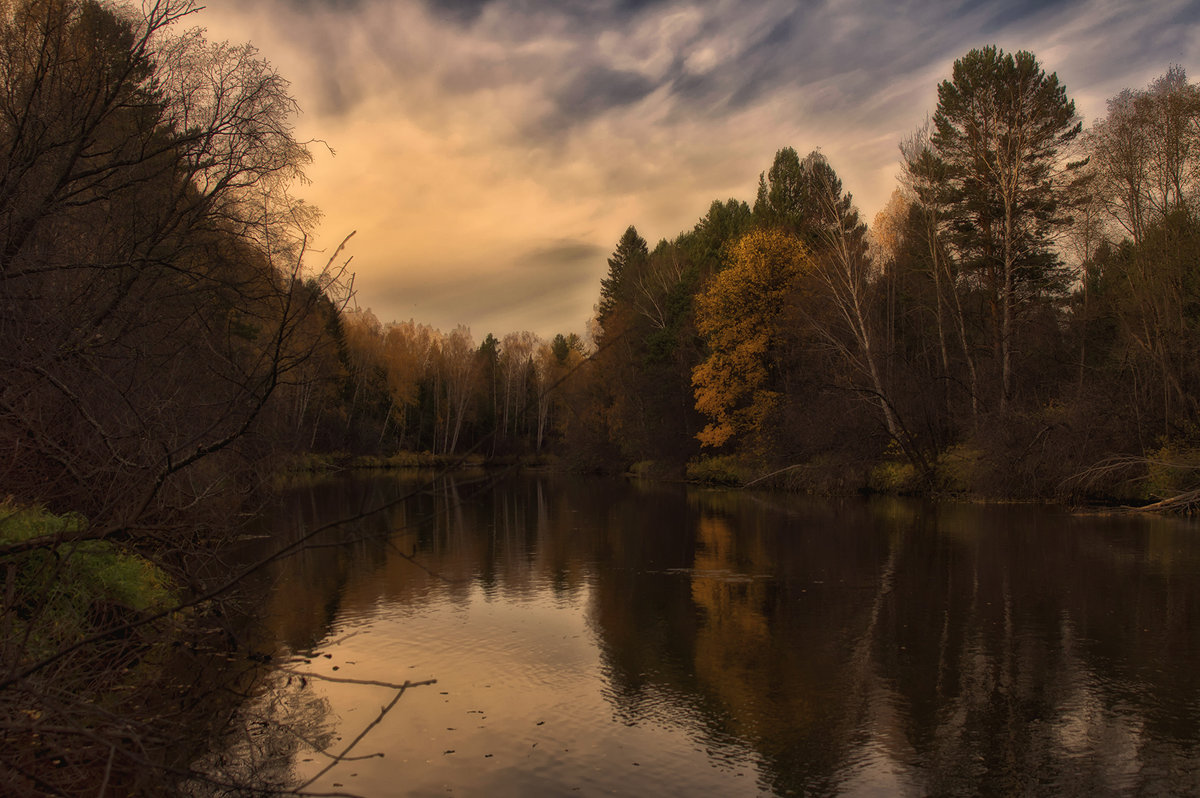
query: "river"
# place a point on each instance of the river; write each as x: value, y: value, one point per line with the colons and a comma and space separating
x: 606, y: 637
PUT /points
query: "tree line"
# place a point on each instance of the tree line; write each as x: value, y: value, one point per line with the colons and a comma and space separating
x: 407, y: 387
x: 1017, y: 322
x: 1020, y: 321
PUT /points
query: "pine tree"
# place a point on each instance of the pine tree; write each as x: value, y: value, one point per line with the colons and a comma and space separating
x: 630, y: 254
x: 1001, y: 127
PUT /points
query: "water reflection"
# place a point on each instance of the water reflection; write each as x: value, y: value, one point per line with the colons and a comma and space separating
x: 640, y: 638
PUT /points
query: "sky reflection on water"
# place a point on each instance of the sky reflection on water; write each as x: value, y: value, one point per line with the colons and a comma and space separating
x: 615, y: 638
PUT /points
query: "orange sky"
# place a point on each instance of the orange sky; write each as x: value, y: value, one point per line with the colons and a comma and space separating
x: 491, y: 152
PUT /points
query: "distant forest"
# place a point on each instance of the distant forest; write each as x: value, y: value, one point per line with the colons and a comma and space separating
x: 1020, y: 321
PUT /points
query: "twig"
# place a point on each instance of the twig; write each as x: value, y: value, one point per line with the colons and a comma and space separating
x: 370, y: 682
x: 775, y: 473
x: 383, y: 711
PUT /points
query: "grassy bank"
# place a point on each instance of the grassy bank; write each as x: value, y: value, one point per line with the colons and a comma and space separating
x: 63, y: 592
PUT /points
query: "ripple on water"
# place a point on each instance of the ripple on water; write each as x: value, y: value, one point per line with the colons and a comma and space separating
x: 521, y: 707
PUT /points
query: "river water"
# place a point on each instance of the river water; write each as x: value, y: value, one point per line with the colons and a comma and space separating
x: 606, y: 637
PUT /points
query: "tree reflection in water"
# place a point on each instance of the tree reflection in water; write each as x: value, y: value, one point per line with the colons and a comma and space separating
x: 802, y: 646
x: 284, y: 723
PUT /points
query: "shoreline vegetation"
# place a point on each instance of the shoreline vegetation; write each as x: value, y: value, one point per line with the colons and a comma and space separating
x: 895, y: 477
x: 1017, y: 339
x: 1019, y: 323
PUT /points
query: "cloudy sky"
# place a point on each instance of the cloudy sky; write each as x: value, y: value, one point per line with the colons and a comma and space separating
x: 489, y: 153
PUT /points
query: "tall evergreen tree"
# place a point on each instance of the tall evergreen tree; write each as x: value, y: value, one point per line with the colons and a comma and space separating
x: 782, y: 202
x: 1001, y: 127
x: 708, y: 241
x: 631, y: 252
x: 793, y: 197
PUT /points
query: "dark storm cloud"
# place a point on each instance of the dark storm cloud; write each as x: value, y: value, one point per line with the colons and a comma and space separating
x: 600, y: 89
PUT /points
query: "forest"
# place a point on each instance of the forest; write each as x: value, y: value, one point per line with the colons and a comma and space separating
x: 1020, y: 322
x: 1017, y: 323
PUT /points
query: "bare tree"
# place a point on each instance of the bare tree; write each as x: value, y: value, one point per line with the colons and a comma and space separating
x: 457, y: 366
x: 844, y: 270
x: 924, y: 178
x: 516, y: 361
x: 155, y: 303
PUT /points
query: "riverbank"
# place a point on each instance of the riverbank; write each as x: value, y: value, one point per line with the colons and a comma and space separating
x: 342, y: 461
x: 1163, y: 485
x: 113, y: 681
x: 960, y: 473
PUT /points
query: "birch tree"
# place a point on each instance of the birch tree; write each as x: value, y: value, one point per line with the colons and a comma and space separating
x: 925, y: 181
x: 844, y: 271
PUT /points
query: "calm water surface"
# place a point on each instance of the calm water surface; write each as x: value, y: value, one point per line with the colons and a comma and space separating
x: 603, y: 637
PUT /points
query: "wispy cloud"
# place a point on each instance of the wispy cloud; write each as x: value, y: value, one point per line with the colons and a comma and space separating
x: 472, y: 132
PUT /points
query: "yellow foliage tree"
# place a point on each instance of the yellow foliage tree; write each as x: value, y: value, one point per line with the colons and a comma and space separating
x: 739, y: 316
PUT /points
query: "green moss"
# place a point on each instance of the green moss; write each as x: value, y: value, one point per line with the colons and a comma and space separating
x: 63, y: 588
x: 23, y: 523
x: 126, y: 580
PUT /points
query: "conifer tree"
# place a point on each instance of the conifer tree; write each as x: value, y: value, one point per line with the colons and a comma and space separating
x: 1002, y: 125
x: 631, y: 252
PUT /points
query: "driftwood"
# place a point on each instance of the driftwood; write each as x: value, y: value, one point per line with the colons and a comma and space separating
x: 1185, y: 502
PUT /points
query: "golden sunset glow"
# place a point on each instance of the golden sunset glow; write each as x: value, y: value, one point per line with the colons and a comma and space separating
x: 489, y: 154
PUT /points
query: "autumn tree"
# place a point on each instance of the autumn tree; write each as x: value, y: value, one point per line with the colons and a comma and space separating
x: 516, y: 371
x: 1136, y: 237
x: 1001, y: 128
x: 408, y: 352
x: 456, y: 373
x: 365, y: 363
x: 739, y: 315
